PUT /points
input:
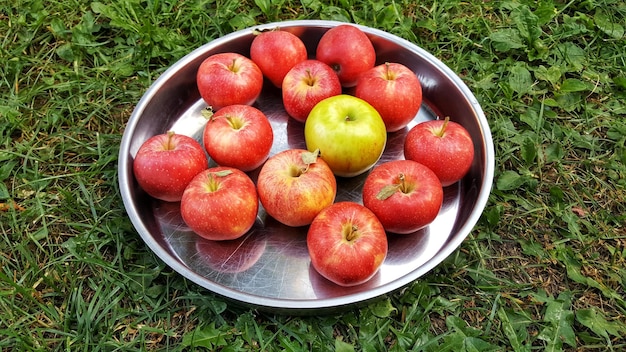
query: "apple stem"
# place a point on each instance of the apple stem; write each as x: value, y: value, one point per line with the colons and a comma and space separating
x: 170, y: 138
x: 310, y: 80
x: 234, y: 122
x: 213, y: 184
x: 351, y: 232
x: 390, y: 76
x: 308, y: 158
x: 389, y: 190
x: 442, y: 130
x: 233, y: 66
x: 402, y: 184
x: 298, y: 171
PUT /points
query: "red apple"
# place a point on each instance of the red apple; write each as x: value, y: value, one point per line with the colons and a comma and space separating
x: 405, y: 195
x: 394, y: 91
x: 276, y: 52
x: 347, y: 243
x: 444, y: 146
x: 166, y: 163
x: 238, y: 136
x: 220, y: 203
x: 305, y: 85
x: 227, y: 79
x: 295, y: 185
x: 348, y: 50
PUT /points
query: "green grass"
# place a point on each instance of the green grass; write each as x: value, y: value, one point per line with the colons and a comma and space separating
x: 544, y: 269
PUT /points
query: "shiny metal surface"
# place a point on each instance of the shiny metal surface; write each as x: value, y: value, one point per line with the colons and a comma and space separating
x: 269, y: 267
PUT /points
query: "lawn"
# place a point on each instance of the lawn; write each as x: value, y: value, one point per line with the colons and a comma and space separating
x: 544, y: 268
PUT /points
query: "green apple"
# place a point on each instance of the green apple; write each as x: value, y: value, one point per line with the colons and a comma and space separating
x: 348, y: 132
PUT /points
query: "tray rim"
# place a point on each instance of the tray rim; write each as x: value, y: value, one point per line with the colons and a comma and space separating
x: 301, y: 306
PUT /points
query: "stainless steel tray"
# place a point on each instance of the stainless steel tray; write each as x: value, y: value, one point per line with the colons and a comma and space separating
x: 269, y: 267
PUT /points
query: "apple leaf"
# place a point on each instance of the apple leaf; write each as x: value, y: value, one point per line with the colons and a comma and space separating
x: 207, y: 112
x: 222, y: 173
x: 310, y: 157
x: 265, y: 6
x: 387, y: 191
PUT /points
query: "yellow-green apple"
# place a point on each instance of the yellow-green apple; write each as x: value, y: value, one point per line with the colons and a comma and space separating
x: 405, y: 195
x: 394, y: 91
x: 444, y: 146
x: 295, y: 185
x: 347, y: 243
x: 232, y: 256
x: 220, y: 203
x: 238, y: 136
x: 348, y: 132
x: 166, y: 163
x: 276, y: 52
x: 348, y: 50
x: 305, y: 85
x: 227, y: 79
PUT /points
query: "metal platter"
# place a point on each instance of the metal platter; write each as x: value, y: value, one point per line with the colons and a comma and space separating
x: 269, y: 267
